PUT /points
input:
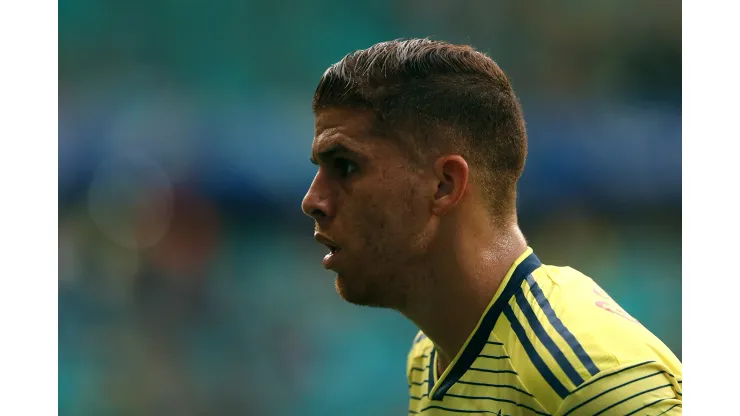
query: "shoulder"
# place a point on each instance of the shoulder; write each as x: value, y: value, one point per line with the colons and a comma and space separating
x: 602, y: 324
x: 566, y: 331
x: 576, y: 306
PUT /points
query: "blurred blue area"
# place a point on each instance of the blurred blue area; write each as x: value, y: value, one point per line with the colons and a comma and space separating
x: 229, y: 310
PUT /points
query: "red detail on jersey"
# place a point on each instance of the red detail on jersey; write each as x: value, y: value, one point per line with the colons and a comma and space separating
x: 607, y: 306
x: 601, y: 293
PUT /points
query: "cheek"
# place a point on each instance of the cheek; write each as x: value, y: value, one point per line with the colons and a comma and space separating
x: 413, y: 207
x: 371, y: 222
x: 396, y: 218
x: 374, y: 222
x: 386, y: 216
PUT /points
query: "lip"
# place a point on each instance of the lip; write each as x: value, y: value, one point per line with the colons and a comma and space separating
x: 333, y: 247
x: 330, y: 259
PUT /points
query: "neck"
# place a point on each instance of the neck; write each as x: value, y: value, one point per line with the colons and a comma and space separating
x: 460, y: 287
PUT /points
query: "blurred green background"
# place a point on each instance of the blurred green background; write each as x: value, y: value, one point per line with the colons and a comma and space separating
x: 189, y: 282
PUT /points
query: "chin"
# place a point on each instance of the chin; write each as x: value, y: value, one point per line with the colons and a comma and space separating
x: 354, y: 293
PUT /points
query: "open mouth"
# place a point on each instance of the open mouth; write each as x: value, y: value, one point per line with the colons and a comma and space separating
x: 329, y: 259
x: 332, y: 249
x: 331, y: 245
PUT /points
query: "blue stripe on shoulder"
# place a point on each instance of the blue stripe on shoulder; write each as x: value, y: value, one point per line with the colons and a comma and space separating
x: 560, y: 327
x: 545, y: 339
x: 538, y: 362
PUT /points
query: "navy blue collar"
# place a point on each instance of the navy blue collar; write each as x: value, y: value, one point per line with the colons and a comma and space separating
x: 480, y: 337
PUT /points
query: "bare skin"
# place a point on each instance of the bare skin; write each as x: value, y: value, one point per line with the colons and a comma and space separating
x: 417, y: 240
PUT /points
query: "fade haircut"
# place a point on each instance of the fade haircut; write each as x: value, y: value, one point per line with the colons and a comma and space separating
x: 435, y: 98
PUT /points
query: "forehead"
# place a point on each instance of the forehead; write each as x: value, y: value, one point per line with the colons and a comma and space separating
x: 350, y: 127
x: 353, y: 129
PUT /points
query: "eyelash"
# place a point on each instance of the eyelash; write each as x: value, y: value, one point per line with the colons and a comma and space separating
x: 342, y: 165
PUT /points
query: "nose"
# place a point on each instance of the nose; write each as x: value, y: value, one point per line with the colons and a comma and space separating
x: 317, y: 202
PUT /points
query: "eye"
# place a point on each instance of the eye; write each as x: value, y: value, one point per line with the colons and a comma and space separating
x: 344, y: 166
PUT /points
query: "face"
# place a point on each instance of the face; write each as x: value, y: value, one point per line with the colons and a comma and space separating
x: 371, y: 209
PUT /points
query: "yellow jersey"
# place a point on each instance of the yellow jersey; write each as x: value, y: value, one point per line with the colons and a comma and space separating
x: 551, y: 342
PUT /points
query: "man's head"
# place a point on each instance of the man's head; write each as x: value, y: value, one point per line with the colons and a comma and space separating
x: 411, y: 137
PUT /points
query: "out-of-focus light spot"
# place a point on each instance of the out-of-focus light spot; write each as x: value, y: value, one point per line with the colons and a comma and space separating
x: 130, y: 201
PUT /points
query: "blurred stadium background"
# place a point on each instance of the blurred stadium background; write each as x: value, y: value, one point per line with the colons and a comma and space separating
x: 189, y: 283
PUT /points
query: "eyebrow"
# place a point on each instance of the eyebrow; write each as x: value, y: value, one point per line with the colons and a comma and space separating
x: 330, y: 151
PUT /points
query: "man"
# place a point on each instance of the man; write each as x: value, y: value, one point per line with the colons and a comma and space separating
x: 419, y: 146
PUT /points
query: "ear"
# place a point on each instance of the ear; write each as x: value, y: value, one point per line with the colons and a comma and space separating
x: 452, y: 176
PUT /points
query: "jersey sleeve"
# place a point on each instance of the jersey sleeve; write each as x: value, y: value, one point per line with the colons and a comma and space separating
x: 633, y: 389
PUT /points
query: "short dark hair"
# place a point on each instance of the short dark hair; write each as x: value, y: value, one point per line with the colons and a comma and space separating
x: 437, y: 97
